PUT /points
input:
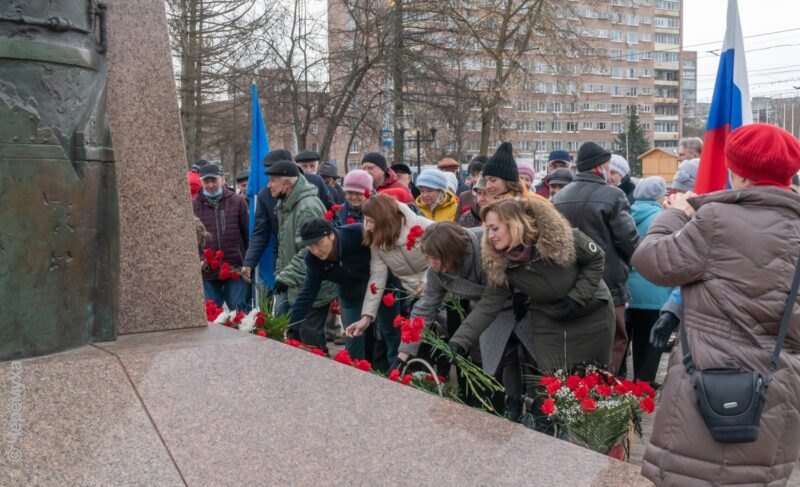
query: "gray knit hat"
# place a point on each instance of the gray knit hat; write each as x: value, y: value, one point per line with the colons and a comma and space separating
x: 686, y: 175
x: 651, y: 188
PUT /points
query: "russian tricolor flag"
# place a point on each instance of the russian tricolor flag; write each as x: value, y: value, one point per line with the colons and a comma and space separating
x: 730, y: 107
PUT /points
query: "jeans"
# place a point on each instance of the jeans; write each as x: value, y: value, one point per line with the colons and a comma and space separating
x: 233, y: 293
x: 351, y: 312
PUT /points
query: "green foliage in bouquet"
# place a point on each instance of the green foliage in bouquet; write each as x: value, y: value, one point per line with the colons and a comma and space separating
x: 275, y: 326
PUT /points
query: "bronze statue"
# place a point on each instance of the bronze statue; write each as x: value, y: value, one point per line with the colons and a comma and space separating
x: 59, y: 235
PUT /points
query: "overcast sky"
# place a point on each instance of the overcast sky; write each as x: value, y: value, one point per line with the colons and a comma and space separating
x: 773, y: 60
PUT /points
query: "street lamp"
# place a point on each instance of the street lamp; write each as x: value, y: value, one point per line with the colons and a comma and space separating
x: 418, y: 141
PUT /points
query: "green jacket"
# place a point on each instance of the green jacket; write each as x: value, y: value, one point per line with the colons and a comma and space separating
x: 301, y: 206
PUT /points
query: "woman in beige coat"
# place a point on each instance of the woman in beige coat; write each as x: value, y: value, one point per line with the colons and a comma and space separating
x: 734, y: 254
x: 387, y: 224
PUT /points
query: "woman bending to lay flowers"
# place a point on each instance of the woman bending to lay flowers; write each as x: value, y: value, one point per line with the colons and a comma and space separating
x: 529, y: 249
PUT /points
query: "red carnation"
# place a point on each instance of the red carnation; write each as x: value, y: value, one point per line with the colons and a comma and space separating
x: 548, y: 406
x: 317, y: 351
x: 367, y: 193
x: 336, y: 207
x: 588, y: 405
x: 373, y: 288
x: 343, y: 358
x: 235, y: 276
x: 411, y: 330
x: 261, y: 333
x: 219, y: 255
x: 645, y: 388
x: 398, y: 321
x: 413, y: 234
x: 647, y: 404
x: 213, y: 264
x: 260, y: 318
x: 406, y: 379
x: 238, y: 318
x: 603, y: 390
x: 208, y: 254
x: 591, y: 380
x: 581, y: 393
x: 329, y: 215
x: 293, y: 343
x: 350, y: 220
x: 394, y: 375
x: 362, y: 365
x: 573, y: 382
x: 553, y: 387
x: 388, y: 299
x: 464, y: 210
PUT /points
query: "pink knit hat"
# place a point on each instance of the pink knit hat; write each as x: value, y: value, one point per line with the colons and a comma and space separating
x: 357, y: 181
x: 525, y: 168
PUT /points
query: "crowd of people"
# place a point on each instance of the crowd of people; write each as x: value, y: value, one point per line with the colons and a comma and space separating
x: 584, y: 267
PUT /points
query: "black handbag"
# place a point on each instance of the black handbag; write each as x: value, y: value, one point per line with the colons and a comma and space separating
x: 731, y: 400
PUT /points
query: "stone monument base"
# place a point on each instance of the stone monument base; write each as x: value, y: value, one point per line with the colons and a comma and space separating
x: 216, y: 406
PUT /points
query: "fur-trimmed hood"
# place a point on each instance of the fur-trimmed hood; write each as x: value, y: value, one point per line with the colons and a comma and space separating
x: 552, y: 239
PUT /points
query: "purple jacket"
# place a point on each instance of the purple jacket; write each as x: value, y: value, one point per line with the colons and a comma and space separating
x: 227, y: 222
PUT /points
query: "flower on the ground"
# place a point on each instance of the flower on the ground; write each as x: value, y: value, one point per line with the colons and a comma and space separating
x: 581, y: 393
x: 293, y: 343
x: 212, y: 310
x: 407, y: 378
x: 317, y: 351
x: 388, y: 299
x: 343, y: 357
x: 573, y: 382
x: 429, y: 378
x: 645, y: 389
x: 603, y: 390
x: 261, y: 333
x: 394, y: 375
x: 548, y: 406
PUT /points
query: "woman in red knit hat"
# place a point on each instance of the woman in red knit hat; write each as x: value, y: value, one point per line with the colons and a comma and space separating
x: 734, y: 253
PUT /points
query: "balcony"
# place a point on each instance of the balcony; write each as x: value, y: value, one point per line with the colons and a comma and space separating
x: 665, y: 101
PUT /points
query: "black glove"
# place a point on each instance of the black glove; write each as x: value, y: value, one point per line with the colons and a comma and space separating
x: 280, y: 287
x: 565, y: 309
x: 519, y: 302
x: 663, y: 328
x: 457, y: 349
x: 398, y: 364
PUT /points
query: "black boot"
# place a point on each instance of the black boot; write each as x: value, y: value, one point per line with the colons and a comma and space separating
x: 532, y: 416
x: 513, y: 411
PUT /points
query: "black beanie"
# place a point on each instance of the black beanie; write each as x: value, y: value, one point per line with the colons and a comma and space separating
x: 501, y: 164
x: 591, y: 155
x: 375, y: 158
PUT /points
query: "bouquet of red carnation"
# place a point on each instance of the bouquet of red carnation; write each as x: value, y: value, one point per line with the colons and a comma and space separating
x: 596, y: 410
x: 213, y: 260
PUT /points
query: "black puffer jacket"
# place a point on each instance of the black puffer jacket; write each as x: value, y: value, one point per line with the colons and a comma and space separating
x: 228, y: 224
x: 603, y: 213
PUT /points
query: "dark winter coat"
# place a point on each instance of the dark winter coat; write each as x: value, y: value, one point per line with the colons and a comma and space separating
x: 603, y: 213
x: 265, y: 225
x: 347, y: 212
x: 350, y: 271
x: 337, y: 193
x: 470, y: 218
x: 628, y: 186
x: 564, y: 263
x: 227, y: 223
x: 734, y: 261
x: 470, y: 283
x: 466, y: 199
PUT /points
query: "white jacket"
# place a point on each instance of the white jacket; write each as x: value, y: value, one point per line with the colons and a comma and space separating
x: 408, y: 266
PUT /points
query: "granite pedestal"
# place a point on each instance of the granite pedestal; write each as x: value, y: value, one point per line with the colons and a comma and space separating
x: 216, y: 406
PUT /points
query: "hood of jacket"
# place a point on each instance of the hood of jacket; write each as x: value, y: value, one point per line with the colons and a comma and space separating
x: 302, y: 189
x: 755, y: 195
x: 644, y: 209
x: 553, y: 241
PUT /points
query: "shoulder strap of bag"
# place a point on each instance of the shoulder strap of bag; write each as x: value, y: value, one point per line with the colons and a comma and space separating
x: 786, y: 319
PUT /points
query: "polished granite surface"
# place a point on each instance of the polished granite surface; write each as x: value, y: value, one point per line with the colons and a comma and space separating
x: 217, y: 407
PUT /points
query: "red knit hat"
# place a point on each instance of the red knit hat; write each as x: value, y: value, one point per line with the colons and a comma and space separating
x: 763, y: 153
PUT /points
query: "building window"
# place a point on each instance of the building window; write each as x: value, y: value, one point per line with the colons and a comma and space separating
x: 647, y: 37
x: 632, y: 38
x: 616, y: 36
x: 556, y: 145
x: 314, y: 128
x: 601, y: 126
x: 314, y: 147
x: 633, y: 56
x: 572, y: 145
x: 665, y: 127
x: 353, y: 164
x: 631, y: 19
x: 587, y: 126
x: 615, y: 53
x: 644, y: 19
x: 616, y: 108
x: 646, y: 90
x: 668, y: 4
x: 355, y: 147
x: 540, y: 126
x: 616, y: 127
x: 601, y: 107
x: 631, y: 91
x: 668, y: 39
x: 572, y: 127
x: 668, y: 22
x: 541, y: 106
x: 587, y: 107
x: 647, y: 55
x: 555, y: 126
x: 602, y: 34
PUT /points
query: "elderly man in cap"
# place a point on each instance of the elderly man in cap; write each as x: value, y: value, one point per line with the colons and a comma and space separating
x: 404, y: 175
x: 241, y: 182
x: 308, y: 161
x: 330, y: 176
x: 450, y: 165
x: 225, y: 218
x: 266, y: 221
x: 603, y: 213
x: 297, y: 204
x: 558, y: 159
x: 382, y: 176
x: 556, y: 180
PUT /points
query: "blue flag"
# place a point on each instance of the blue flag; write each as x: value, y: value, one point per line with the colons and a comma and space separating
x: 259, y: 147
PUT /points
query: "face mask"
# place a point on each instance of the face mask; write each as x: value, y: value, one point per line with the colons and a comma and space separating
x: 213, y: 195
